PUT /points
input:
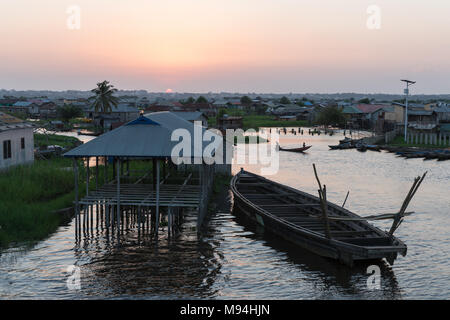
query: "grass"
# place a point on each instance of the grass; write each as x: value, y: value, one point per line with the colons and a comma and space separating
x: 29, y: 194
x: 399, y: 142
x: 221, y: 182
x: 255, y: 121
x: 43, y: 140
x: 247, y: 140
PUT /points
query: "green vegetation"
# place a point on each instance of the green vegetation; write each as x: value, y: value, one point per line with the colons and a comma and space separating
x: 69, y: 112
x: 399, y: 141
x: 201, y: 99
x: 285, y: 100
x: 221, y: 183
x: 365, y: 100
x: 29, y: 194
x: 104, y: 99
x: 331, y: 116
x: 188, y: 101
x: 20, y: 115
x: 247, y: 140
x: 255, y: 120
x: 246, y: 100
x: 44, y: 140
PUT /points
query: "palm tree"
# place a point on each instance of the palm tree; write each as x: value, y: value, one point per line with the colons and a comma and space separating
x: 104, y: 99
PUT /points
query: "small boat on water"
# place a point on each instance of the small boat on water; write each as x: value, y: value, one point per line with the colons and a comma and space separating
x: 341, y: 146
x: 302, y: 149
x: 296, y: 216
x: 345, y: 140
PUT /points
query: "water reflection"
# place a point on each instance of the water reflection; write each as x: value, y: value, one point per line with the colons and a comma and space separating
x: 183, y: 266
x: 232, y: 259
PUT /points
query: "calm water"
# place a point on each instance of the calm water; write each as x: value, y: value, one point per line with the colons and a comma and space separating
x: 235, y: 260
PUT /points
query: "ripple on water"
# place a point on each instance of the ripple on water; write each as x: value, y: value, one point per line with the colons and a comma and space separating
x: 235, y: 260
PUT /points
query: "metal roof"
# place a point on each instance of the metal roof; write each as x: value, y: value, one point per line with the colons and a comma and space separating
x: 189, y: 115
x: 149, y: 136
x: 351, y: 110
x: 22, y: 104
x: 8, y: 122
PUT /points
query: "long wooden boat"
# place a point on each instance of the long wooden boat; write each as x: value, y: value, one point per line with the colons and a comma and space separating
x: 295, y: 216
x: 302, y: 149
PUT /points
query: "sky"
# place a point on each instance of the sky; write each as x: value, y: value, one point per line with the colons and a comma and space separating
x: 261, y: 46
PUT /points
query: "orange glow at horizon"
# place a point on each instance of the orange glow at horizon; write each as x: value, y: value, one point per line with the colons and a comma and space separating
x: 260, y: 45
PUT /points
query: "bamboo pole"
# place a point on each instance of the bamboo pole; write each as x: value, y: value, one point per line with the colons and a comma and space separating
x: 399, y: 217
x: 324, y: 204
x: 348, y: 192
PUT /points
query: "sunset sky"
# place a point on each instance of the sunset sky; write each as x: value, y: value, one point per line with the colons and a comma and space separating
x: 234, y: 45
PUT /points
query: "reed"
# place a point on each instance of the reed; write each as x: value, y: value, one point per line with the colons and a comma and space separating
x: 29, y: 194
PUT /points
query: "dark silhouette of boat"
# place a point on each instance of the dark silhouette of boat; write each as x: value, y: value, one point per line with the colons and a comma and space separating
x: 302, y: 149
x: 296, y: 216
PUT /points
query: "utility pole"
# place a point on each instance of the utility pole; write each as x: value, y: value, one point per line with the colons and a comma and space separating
x: 406, y: 91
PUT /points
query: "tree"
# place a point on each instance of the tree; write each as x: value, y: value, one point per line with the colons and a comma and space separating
x: 68, y: 112
x: 188, y: 101
x: 202, y: 99
x: 365, y: 100
x: 104, y: 99
x: 285, y: 100
x: 331, y: 115
x: 300, y: 103
x: 246, y: 100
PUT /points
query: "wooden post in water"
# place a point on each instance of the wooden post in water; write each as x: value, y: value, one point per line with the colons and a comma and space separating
x: 154, y: 172
x: 157, y: 199
x: 77, y: 207
x: 86, y: 207
x: 96, y: 188
x: 118, y: 199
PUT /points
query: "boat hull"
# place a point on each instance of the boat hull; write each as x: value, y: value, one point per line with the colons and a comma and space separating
x: 345, y: 253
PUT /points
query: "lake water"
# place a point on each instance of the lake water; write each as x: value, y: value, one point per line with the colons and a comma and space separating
x: 233, y: 259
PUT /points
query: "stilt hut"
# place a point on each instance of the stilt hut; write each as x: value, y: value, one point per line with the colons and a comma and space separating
x: 149, y: 138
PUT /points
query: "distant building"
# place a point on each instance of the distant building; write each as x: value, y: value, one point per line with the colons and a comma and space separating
x: 227, y: 122
x: 25, y: 107
x: 192, y: 116
x: 109, y: 120
x: 16, y: 141
x: 206, y: 108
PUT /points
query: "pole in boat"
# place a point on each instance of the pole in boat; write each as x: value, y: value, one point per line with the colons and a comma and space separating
x: 323, y: 203
x: 399, y: 217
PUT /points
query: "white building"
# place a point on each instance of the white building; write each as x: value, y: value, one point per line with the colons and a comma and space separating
x: 16, y: 141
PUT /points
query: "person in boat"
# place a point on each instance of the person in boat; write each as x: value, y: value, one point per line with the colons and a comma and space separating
x: 304, y: 144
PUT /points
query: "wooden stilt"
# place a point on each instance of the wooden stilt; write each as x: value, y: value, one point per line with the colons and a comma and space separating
x: 118, y: 199
x: 77, y: 207
x: 157, y: 200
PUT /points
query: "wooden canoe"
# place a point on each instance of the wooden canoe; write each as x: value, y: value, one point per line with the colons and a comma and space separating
x: 302, y: 149
x: 296, y: 216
